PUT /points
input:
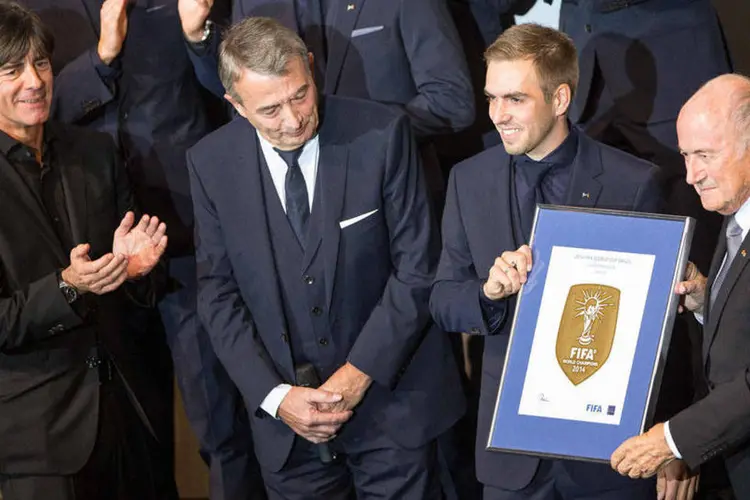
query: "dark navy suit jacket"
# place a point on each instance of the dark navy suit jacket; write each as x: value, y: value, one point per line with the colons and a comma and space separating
x: 477, y: 229
x: 653, y: 54
x: 377, y: 273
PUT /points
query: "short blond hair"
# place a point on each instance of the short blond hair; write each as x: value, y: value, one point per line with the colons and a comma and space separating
x: 552, y: 52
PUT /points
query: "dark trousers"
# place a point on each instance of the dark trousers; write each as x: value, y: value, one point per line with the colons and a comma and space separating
x: 553, y: 482
x: 126, y: 463
x: 370, y: 464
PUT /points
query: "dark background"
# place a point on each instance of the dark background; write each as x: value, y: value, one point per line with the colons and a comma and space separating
x: 735, y: 18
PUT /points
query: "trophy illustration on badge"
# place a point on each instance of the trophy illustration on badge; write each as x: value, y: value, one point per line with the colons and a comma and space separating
x: 587, y: 330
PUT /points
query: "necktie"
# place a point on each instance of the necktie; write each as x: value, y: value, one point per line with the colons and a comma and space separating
x: 734, y: 240
x: 532, y: 173
x: 297, y: 205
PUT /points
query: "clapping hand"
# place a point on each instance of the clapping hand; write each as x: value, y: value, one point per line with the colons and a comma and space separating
x: 142, y: 245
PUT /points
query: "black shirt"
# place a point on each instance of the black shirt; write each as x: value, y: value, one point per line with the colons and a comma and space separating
x: 43, y: 181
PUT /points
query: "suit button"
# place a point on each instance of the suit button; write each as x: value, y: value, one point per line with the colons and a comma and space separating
x: 316, y: 311
x: 475, y: 330
x: 309, y: 279
x: 285, y: 338
x: 587, y: 28
x: 323, y: 341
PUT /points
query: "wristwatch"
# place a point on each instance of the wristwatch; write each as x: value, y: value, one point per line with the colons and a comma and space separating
x: 206, y: 31
x: 69, y: 291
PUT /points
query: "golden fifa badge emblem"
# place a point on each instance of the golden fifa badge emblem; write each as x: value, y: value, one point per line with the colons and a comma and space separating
x: 587, y: 330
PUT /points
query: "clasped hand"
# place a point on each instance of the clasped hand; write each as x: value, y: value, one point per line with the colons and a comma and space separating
x: 318, y: 414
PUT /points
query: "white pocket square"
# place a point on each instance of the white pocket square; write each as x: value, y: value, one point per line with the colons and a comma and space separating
x: 366, y: 31
x: 354, y: 220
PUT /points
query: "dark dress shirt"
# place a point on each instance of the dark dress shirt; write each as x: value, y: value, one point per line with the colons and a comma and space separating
x: 43, y: 180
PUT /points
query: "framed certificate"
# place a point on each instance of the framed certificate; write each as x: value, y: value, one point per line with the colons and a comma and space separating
x: 590, y: 332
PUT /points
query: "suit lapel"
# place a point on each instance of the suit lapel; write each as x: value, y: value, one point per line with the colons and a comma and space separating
x: 718, y: 258
x: 333, y: 183
x: 328, y: 204
x: 340, y: 21
x: 74, y: 187
x: 735, y: 269
x: 249, y: 204
x: 584, y: 188
x: 498, y: 227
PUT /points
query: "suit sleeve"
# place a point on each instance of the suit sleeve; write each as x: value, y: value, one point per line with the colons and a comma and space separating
x: 456, y: 299
x: 716, y: 424
x: 445, y: 99
x: 221, y: 308
x: 205, y: 63
x: 82, y: 86
x: 34, y: 312
x: 396, y: 325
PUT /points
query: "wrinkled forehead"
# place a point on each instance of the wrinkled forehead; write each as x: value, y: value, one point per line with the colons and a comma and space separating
x: 702, y: 128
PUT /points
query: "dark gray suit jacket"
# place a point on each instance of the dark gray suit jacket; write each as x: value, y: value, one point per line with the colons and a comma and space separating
x: 719, y: 423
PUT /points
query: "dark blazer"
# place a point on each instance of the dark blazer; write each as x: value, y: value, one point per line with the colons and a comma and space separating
x: 719, y: 423
x: 377, y: 273
x: 653, y: 54
x: 403, y: 53
x: 49, y: 387
x: 477, y: 228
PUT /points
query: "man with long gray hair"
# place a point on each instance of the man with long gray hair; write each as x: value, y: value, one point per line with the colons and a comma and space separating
x: 316, y: 250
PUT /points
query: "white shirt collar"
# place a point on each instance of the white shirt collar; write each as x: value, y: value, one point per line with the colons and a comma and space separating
x: 308, y: 163
x: 742, y: 217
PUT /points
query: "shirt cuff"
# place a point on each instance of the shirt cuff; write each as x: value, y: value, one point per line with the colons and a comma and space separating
x: 107, y: 73
x: 698, y: 317
x: 272, y: 402
x: 670, y: 441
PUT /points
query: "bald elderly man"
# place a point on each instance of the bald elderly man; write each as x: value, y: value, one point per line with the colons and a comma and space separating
x: 714, y: 138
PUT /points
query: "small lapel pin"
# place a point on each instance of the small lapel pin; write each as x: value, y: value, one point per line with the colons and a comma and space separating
x: 350, y: 6
x: 585, y: 195
x: 743, y: 252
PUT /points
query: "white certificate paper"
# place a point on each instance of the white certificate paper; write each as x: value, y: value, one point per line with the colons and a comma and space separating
x: 586, y: 334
